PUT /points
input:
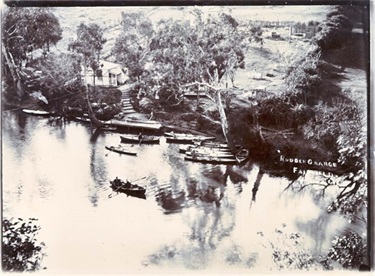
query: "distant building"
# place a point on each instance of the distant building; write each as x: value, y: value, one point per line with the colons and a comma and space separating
x: 112, y: 74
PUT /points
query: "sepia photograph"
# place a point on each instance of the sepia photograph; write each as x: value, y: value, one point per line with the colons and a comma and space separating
x: 186, y: 139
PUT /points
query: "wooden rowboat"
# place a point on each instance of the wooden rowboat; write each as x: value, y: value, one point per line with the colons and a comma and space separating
x: 131, y: 138
x: 121, y: 186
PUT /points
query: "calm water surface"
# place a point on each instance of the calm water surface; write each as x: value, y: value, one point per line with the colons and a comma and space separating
x: 196, y: 216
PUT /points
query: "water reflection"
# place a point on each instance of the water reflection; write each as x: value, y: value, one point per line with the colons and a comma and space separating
x: 195, y: 216
x: 169, y: 201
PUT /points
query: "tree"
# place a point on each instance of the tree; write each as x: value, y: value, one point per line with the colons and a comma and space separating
x: 335, y: 29
x: 204, y: 52
x: 25, y: 30
x: 28, y: 29
x: 132, y: 46
x: 59, y: 80
x: 89, y: 44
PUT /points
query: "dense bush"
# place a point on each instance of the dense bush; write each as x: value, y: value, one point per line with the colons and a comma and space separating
x: 349, y: 250
x: 20, y: 250
x: 335, y: 30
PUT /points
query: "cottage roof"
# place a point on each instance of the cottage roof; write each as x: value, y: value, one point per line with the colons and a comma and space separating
x: 111, y: 67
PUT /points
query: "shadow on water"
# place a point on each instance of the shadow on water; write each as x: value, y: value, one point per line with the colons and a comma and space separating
x: 209, y: 201
x: 206, y: 212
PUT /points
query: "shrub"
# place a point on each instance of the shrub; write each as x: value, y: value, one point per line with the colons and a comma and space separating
x: 20, y: 251
x: 349, y: 250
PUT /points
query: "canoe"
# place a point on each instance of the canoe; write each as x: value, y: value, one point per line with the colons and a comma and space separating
x: 209, y: 159
x: 212, y: 144
x: 131, y: 138
x: 135, y: 124
x: 120, y: 149
x: 121, y: 186
x: 213, y: 154
x: 185, y: 138
x: 185, y: 148
x: 146, y: 122
x: 36, y: 112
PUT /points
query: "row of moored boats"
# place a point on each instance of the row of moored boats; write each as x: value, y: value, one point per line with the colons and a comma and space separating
x: 196, y: 148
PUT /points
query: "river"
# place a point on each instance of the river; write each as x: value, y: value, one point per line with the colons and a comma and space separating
x: 196, y: 217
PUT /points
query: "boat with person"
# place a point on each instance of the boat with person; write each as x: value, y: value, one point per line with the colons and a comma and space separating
x: 122, y: 150
x: 120, y: 186
x: 143, y: 139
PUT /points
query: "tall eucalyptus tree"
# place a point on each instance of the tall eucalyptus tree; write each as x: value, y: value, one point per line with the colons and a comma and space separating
x: 89, y: 44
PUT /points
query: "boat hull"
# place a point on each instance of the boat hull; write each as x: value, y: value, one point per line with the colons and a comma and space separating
x: 120, y: 150
x: 128, y: 188
x: 212, y: 160
x: 185, y: 138
x: 36, y: 112
x: 135, y: 140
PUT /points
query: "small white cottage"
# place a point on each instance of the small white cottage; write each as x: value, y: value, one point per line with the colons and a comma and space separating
x: 112, y: 74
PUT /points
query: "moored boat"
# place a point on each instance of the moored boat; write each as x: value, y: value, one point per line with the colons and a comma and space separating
x: 212, y: 144
x: 36, y: 112
x: 210, y: 159
x: 172, y: 137
x: 131, y: 123
x: 131, y: 138
x: 185, y: 148
x: 209, y: 153
x: 122, y: 150
x: 119, y: 185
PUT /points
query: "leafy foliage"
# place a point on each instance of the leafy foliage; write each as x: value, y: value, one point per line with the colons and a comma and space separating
x: 353, y: 198
x: 335, y: 29
x: 89, y: 44
x: 132, y: 46
x: 20, y: 250
x: 349, y: 250
x: 59, y: 80
x: 28, y: 29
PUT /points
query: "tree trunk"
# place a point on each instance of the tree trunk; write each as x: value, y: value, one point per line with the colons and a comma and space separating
x: 10, y: 63
x: 223, y: 117
x: 91, y: 113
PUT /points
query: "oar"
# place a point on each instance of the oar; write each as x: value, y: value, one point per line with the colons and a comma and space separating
x: 111, y: 194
